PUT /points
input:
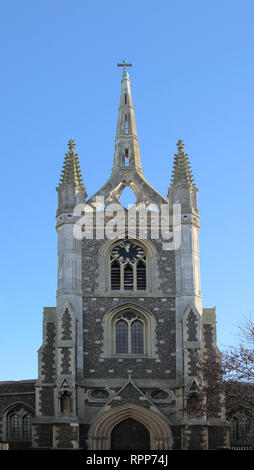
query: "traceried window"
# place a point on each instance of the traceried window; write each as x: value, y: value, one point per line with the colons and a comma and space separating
x: 19, y: 424
x: 129, y: 333
x: 128, y: 267
x: 240, y: 427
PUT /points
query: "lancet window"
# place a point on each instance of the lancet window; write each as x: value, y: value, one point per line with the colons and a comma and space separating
x: 129, y: 333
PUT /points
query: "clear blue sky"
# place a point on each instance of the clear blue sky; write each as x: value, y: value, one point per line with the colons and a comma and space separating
x: 192, y: 78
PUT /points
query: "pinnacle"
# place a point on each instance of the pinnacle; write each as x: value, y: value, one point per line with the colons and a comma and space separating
x: 181, y: 173
x: 71, y: 173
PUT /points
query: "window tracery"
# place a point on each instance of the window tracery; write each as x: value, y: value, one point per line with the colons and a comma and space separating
x: 129, y: 334
x: 241, y: 426
x: 19, y: 424
x: 129, y: 330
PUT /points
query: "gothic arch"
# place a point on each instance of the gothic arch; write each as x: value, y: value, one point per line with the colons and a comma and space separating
x: 17, y: 406
x: 104, y: 256
x: 241, y: 421
x: 100, y: 430
x: 144, y: 242
x: 149, y: 323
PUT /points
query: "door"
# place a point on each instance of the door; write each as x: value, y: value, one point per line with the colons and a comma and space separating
x: 130, y: 435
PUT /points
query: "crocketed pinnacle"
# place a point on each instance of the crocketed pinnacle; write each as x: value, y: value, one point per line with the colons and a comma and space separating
x: 71, y: 173
x: 181, y: 173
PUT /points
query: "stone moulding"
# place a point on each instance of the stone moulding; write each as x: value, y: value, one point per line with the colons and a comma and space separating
x: 99, y: 436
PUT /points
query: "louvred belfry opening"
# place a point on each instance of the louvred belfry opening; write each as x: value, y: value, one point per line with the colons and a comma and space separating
x: 115, y: 276
x: 128, y: 277
x: 141, y: 275
x: 128, y: 267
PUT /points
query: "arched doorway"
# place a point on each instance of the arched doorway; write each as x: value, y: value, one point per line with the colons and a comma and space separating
x: 100, y: 432
x: 130, y: 434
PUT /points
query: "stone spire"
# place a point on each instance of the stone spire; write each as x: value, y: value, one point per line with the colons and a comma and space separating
x: 71, y: 173
x: 181, y: 173
x: 182, y: 189
x: 126, y: 154
x: 127, y: 170
x: 71, y: 190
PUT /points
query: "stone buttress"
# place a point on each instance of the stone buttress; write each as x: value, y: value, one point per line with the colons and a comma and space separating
x: 61, y: 354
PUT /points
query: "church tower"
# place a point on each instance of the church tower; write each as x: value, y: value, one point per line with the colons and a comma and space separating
x: 116, y: 367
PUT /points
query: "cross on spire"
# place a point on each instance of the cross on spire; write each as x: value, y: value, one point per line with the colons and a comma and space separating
x: 124, y: 65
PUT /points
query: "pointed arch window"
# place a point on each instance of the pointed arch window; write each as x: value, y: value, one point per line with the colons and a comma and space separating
x: 241, y: 426
x: 130, y: 331
x: 128, y: 267
x: 121, y: 337
x: 129, y: 334
x: 19, y: 424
